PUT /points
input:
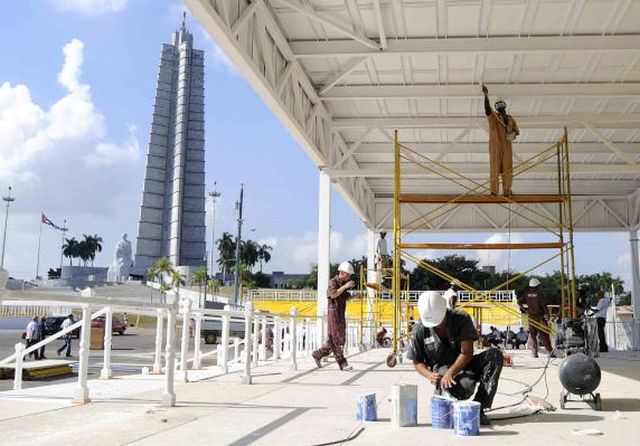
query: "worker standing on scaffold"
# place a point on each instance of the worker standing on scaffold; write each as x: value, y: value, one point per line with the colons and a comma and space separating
x: 503, y: 130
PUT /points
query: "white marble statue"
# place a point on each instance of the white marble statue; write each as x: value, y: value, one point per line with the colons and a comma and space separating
x: 121, y: 266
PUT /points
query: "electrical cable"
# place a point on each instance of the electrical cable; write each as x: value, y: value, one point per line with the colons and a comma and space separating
x: 352, y: 436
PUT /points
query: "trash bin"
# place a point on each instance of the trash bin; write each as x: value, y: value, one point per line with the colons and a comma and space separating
x: 97, y: 338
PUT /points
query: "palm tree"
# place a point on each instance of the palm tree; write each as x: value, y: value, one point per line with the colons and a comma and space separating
x: 227, y: 249
x: 70, y: 249
x: 177, y: 280
x: 200, y: 277
x: 94, y: 245
x: 158, y: 271
x: 264, y: 254
x: 249, y: 254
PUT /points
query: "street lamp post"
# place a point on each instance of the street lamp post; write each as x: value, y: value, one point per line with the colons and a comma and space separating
x: 8, y: 200
x: 214, y: 194
x: 236, y: 280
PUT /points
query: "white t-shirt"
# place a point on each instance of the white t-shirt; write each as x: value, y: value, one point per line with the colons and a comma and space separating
x: 382, y: 247
x: 602, y: 307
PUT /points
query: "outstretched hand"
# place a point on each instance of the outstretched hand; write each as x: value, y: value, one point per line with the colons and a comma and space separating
x: 485, y: 90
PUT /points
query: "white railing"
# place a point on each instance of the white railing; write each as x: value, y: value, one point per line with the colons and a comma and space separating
x: 11, y: 309
x: 267, y: 338
x: 284, y: 295
x: 311, y: 295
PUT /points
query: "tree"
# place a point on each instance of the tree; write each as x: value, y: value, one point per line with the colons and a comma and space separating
x: 159, y: 271
x: 70, y: 249
x: 464, y: 269
x: 200, y: 277
x: 264, y: 254
x: 177, y: 279
x: 227, y: 253
x: 249, y: 254
x: 94, y: 244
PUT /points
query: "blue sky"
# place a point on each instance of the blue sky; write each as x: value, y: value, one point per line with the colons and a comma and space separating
x: 77, y: 81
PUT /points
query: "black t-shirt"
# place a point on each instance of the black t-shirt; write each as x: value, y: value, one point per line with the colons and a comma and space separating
x: 427, y: 347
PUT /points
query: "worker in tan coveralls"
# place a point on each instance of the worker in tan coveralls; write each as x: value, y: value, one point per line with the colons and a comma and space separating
x: 337, y: 296
x: 503, y: 129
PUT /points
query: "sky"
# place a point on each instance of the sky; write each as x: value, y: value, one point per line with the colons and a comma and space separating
x: 77, y: 83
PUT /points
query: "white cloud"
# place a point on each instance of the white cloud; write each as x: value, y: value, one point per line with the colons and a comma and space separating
x: 498, y: 258
x: 33, y: 139
x: 90, y: 7
x: 216, y: 55
x: 624, y: 269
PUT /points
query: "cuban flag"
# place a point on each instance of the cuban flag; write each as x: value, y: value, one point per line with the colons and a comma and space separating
x: 46, y: 221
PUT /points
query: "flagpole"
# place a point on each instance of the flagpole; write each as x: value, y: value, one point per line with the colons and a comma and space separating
x: 64, y: 232
x: 39, y: 240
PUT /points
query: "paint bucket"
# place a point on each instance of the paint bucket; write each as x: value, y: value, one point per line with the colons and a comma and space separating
x: 366, y: 410
x: 404, y: 405
x: 441, y: 413
x: 466, y: 418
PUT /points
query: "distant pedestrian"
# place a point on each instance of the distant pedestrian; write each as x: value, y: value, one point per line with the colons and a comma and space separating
x: 601, y: 318
x: 521, y: 338
x: 42, y: 334
x: 68, y: 322
x: 32, y: 336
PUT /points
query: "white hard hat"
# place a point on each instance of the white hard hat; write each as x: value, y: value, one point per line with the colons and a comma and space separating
x: 534, y: 282
x: 346, y: 267
x: 432, y: 308
x: 450, y: 297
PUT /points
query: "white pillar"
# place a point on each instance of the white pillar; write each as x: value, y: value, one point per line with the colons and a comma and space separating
x: 372, y: 277
x: 307, y: 336
x: 157, y: 365
x: 197, y: 363
x: 277, y: 338
x: 184, y: 344
x: 263, y: 340
x: 248, y: 340
x: 293, y: 338
x: 635, y: 291
x: 236, y: 348
x: 17, y: 371
x: 324, y: 246
x: 106, y: 373
x: 169, y: 395
x: 256, y: 340
x: 81, y: 395
x: 224, y: 341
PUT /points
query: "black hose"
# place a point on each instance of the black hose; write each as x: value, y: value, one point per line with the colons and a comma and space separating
x: 352, y: 436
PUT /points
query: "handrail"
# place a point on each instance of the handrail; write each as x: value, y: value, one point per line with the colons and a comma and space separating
x: 51, y: 338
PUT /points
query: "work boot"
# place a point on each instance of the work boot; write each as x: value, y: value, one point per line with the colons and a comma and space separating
x: 317, y: 360
x: 484, y: 419
x: 346, y: 368
x: 535, y: 355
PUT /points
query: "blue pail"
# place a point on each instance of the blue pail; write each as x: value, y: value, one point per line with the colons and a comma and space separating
x: 440, y: 413
x: 466, y: 418
x: 366, y: 410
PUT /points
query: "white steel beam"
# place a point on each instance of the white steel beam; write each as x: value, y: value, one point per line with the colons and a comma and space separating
x: 346, y: 71
x: 309, y: 12
x: 614, y: 148
x: 470, y: 45
x: 591, y: 90
x: 546, y: 121
x: 385, y: 150
x: 380, y: 24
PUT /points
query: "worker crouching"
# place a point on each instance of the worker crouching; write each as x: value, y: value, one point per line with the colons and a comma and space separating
x: 442, y: 351
x: 337, y: 296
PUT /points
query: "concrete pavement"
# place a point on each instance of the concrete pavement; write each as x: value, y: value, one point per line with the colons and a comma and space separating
x: 308, y: 407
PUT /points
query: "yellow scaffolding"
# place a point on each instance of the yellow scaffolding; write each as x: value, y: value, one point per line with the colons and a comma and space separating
x: 477, y: 193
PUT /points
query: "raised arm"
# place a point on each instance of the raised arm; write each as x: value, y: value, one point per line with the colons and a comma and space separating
x: 487, y: 106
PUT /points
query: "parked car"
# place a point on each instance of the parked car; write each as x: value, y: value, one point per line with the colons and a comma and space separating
x: 117, y: 326
x: 52, y: 325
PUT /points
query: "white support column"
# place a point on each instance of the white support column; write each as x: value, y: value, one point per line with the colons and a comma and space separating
x: 236, y: 349
x: 197, y: 354
x: 307, y: 337
x: 372, y: 277
x: 293, y: 338
x: 277, y: 338
x: 184, y: 344
x: 106, y: 373
x: 157, y: 365
x: 635, y: 291
x: 81, y: 395
x: 248, y: 340
x: 324, y: 247
x: 224, y: 341
x: 17, y: 371
x: 169, y: 395
x: 255, y: 340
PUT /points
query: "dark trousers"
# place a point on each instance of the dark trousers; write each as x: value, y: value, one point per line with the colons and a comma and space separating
x: 544, y: 337
x: 335, y: 340
x: 34, y: 353
x: 484, y: 369
x: 603, y: 341
x: 67, y: 345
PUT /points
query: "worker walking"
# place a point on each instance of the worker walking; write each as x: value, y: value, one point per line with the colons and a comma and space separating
x: 451, y: 296
x: 536, y: 302
x: 382, y: 254
x: 503, y: 130
x: 601, y: 318
x: 442, y: 351
x: 337, y: 296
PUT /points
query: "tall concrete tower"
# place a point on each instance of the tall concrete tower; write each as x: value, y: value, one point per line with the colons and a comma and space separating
x: 172, y: 214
